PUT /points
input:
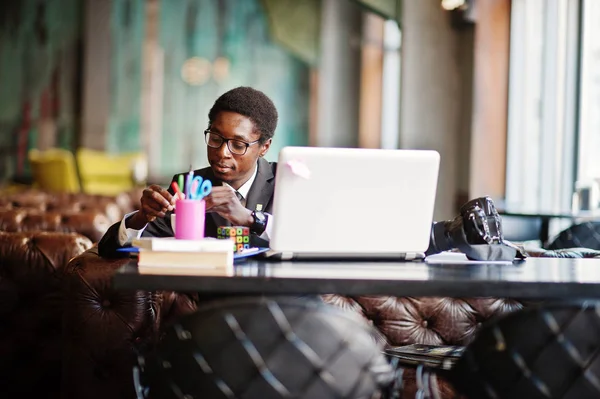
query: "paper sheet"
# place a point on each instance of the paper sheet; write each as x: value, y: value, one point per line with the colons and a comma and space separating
x: 459, y: 258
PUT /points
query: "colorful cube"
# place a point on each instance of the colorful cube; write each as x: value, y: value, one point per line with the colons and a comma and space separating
x: 240, y: 235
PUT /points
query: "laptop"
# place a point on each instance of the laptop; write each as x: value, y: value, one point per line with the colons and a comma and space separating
x: 350, y: 203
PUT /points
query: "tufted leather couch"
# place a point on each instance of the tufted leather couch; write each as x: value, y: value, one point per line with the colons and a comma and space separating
x: 31, y: 270
x: 426, y: 320
x: 113, y: 207
x: 57, y: 316
x: 90, y: 215
x: 106, y: 327
x: 91, y: 224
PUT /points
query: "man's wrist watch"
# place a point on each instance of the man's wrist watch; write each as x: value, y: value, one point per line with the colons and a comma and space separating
x: 260, y: 222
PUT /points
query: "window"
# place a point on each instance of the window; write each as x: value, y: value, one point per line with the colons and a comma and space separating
x: 542, y: 120
x: 588, y: 165
x: 390, y: 122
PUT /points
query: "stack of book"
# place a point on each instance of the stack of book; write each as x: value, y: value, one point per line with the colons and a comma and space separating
x: 209, y: 256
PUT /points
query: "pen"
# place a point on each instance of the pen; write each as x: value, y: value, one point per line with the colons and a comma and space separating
x: 180, y: 182
x: 188, y: 182
x: 175, y: 187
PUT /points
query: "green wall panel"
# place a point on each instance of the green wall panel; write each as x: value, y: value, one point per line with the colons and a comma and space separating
x: 127, y: 38
x: 38, y: 66
x: 39, y: 71
x: 237, y: 31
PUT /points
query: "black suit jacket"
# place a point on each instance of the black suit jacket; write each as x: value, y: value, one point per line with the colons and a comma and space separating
x: 261, y: 193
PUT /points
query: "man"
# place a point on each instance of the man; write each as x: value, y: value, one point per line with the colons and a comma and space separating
x: 241, y: 126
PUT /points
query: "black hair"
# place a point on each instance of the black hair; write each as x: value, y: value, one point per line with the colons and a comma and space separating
x: 251, y: 103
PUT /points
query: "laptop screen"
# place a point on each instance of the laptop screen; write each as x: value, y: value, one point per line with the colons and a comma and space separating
x: 353, y: 201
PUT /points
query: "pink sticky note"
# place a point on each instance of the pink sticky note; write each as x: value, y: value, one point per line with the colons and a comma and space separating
x: 299, y: 168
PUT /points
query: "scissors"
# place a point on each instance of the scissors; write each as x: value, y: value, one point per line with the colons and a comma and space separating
x: 200, y: 188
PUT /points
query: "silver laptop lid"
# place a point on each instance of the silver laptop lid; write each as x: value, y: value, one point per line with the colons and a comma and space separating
x: 353, y: 201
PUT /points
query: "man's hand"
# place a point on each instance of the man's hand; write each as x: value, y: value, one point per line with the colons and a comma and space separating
x: 222, y: 200
x: 155, y: 202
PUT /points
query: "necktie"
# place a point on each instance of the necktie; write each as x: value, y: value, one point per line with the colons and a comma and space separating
x: 241, y: 198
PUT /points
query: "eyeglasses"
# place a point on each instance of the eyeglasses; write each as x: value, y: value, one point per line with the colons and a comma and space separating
x: 237, y: 147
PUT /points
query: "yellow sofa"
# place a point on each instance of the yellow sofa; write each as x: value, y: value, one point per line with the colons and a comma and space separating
x: 54, y: 170
x: 88, y: 171
x: 102, y: 173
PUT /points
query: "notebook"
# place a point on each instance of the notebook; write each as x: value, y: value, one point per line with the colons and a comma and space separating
x: 350, y: 203
x: 151, y: 243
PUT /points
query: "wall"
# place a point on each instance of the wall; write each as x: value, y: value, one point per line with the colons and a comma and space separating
x: 95, y: 73
x: 127, y: 22
x: 232, y: 44
x: 72, y: 71
x: 339, y: 74
x: 436, y: 95
x: 39, y: 104
x: 224, y: 44
x: 112, y: 73
x: 490, y: 102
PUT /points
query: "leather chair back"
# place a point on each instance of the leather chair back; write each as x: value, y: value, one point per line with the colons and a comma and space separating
x: 582, y: 235
x: 536, y: 353
x: 253, y: 347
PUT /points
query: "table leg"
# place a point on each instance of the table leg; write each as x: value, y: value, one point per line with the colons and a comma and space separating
x: 544, y: 231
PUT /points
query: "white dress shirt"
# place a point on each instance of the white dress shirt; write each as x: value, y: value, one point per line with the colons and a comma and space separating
x: 127, y: 235
x: 245, y: 188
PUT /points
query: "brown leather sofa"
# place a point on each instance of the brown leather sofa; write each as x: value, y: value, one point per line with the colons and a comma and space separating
x: 89, y: 215
x: 106, y: 327
x: 426, y: 320
x: 37, y: 239
x: 31, y: 303
x: 113, y: 207
x: 91, y: 224
x: 58, y: 315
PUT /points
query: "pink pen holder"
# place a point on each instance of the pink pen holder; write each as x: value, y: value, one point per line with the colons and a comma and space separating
x: 189, y: 219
